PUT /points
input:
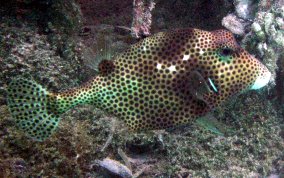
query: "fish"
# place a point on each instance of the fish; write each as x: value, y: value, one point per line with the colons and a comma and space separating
x: 165, y: 80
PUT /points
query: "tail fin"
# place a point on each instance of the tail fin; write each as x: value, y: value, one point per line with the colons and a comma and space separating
x: 33, y: 107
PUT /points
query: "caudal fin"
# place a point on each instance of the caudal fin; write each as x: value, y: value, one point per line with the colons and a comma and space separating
x: 33, y: 107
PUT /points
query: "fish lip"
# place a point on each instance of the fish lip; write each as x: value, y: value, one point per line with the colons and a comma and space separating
x: 262, y: 80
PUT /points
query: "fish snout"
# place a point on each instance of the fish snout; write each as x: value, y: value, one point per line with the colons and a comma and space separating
x: 262, y: 79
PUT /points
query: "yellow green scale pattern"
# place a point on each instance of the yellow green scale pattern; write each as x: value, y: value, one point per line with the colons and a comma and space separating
x: 148, y: 85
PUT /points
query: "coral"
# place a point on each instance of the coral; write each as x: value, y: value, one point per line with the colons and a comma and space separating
x: 266, y: 35
x: 142, y: 17
x: 239, y: 21
x: 263, y: 22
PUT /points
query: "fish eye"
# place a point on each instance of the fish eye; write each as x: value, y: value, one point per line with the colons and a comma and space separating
x: 225, y: 54
x: 226, y: 51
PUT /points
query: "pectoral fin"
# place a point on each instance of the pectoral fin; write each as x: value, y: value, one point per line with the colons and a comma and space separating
x: 199, y: 86
x: 210, y: 123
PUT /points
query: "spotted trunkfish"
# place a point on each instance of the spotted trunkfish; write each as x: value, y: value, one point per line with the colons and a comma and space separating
x: 167, y: 79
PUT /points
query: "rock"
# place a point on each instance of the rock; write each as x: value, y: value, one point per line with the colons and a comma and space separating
x: 244, y: 9
x: 268, y: 21
x: 279, y: 39
x: 234, y: 24
x: 256, y: 28
x: 115, y: 167
x: 280, y: 23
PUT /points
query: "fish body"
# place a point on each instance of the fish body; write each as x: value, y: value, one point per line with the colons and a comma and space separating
x: 167, y: 79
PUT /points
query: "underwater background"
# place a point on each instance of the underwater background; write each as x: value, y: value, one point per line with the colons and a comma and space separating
x: 59, y: 43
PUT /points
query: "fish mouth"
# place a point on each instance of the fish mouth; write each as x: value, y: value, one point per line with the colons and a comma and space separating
x: 262, y: 80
